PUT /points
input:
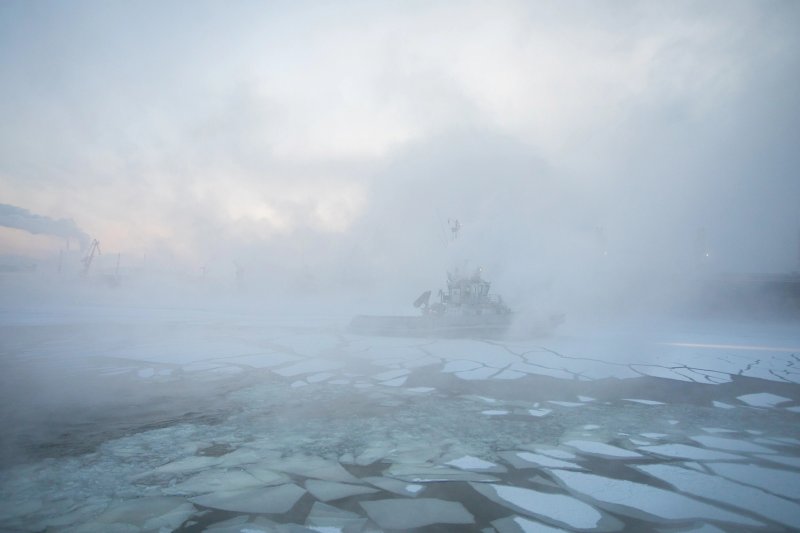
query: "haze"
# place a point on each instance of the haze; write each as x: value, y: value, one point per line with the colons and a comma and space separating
x: 326, y: 145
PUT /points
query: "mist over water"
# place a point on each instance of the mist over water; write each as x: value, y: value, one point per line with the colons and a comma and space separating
x: 197, y: 199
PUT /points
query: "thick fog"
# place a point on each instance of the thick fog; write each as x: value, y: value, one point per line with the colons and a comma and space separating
x: 197, y: 198
x: 324, y: 148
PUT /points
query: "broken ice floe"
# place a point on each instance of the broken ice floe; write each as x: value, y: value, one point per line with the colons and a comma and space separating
x: 727, y: 492
x: 782, y: 482
x: 539, y: 412
x: 644, y: 501
x: 406, y: 514
x: 277, y: 499
x: 558, y: 509
x: 763, y: 399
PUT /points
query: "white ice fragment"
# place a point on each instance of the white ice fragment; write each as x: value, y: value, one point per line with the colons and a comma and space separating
x: 763, y: 399
x: 586, y: 398
x: 146, y: 373
x: 331, y: 490
x: 644, y: 402
x: 518, y: 524
x: 692, y: 453
x: 654, y: 436
x: 590, y: 427
x: 731, y: 445
x: 723, y: 405
x: 637, y: 442
x: 373, y: 453
x: 644, y: 501
x: 407, y: 514
x: 266, y: 500
x: 469, y: 462
x: 565, y: 404
x: 601, y: 449
x: 673, y: 422
x: 557, y: 509
x: 794, y: 409
x: 782, y: 482
x: 722, y: 490
x: 494, y: 412
x: 298, y: 383
x: 539, y: 412
x: 339, y: 382
x: 718, y: 430
x: 528, y: 460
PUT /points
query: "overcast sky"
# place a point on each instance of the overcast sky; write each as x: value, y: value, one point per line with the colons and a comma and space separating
x: 343, y: 135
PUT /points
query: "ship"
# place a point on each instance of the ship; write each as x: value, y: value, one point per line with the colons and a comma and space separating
x: 466, y: 308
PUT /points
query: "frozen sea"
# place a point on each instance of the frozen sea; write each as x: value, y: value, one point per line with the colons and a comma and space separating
x: 136, y: 419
